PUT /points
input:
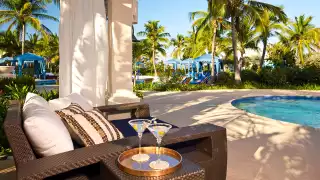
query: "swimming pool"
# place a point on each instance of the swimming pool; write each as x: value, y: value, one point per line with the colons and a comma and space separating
x: 46, y: 81
x: 304, y: 110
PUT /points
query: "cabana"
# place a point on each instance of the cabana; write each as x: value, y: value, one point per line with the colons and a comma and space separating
x: 207, y: 58
x: 188, y: 63
x: 3, y: 60
x: 174, y: 62
x: 39, y: 64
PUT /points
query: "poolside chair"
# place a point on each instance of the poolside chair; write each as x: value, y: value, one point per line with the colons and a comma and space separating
x: 204, y: 144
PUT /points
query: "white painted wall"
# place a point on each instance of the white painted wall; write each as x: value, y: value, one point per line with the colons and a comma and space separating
x: 120, y: 19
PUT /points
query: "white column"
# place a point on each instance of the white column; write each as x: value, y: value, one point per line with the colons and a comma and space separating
x: 120, y: 19
x: 83, y: 49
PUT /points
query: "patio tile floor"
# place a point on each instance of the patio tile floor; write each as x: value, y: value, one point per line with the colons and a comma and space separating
x: 258, y: 148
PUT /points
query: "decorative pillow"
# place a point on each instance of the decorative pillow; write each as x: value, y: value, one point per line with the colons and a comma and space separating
x: 72, y: 109
x: 45, y: 130
x: 91, y: 127
x: 61, y: 103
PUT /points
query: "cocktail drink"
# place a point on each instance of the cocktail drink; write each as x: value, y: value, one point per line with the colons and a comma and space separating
x: 140, y: 125
x: 159, y: 130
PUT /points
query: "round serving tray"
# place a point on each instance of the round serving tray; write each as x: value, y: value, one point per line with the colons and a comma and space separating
x: 130, y: 166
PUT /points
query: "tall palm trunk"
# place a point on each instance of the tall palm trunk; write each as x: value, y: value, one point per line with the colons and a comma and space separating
x: 300, y: 53
x: 154, y: 60
x: 265, y: 42
x: 213, y: 50
x: 241, y: 61
x: 23, y: 37
x: 237, y: 77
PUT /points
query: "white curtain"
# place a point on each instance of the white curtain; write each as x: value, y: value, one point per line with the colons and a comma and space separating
x: 83, y: 49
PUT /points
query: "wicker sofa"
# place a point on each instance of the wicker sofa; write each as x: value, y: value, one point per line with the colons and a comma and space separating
x: 204, y: 144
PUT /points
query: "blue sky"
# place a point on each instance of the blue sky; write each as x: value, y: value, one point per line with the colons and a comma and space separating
x: 173, y: 14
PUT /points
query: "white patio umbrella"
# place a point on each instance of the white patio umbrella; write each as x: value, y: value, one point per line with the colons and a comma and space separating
x: 83, y: 49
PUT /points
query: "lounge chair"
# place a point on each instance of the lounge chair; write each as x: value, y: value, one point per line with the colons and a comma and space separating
x: 204, y: 144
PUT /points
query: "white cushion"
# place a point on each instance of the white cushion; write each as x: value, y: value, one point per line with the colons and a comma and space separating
x: 61, y: 103
x: 35, y: 99
x: 44, y: 128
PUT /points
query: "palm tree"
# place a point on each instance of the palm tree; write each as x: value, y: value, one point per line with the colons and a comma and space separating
x: 23, y: 13
x: 32, y: 45
x: 235, y: 9
x: 179, y: 45
x: 281, y: 54
x: 9, y: 43
x: 157, y: 37
x: 247, y: 37
x: 190, y: 46
x: 49, y: 48
x: 266, y: 25
x: 210, y: 20
x: 302, y: 35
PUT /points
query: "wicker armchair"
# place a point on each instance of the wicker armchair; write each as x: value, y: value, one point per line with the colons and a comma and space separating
x: 204, y: 144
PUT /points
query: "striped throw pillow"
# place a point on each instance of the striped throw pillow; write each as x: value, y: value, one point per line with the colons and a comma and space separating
x: 90, y: 128
x: 72, y: 109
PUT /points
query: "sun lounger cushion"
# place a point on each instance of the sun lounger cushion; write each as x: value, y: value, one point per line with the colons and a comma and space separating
x: 44, y: 128
x: 90, y: 128
x: 61, y: 103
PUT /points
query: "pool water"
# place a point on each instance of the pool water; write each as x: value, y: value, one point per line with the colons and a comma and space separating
x: 304, y: 110
x: 46, y: 82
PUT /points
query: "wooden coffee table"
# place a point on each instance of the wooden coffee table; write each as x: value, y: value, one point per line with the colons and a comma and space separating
x: 189, y: 171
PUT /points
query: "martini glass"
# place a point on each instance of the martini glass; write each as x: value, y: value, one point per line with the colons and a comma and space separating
x: 159, y: 130
x: 140, y: 125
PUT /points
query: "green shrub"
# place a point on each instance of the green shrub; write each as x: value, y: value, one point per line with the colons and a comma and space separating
x: 19, y: 92
x: 225, y: 78
x: 19, y: 81
x: 3, y: 111
x: 49, y: 95
x: 273, y: 77
x: 313, y: 61
x: 139, y: 94
x: 250, y: 75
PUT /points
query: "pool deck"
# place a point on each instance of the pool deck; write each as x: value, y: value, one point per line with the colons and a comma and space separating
x: 258, y: 148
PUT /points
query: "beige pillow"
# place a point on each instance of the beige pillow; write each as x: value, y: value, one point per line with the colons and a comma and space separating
x: 44, y: 129
x: 90, y: 128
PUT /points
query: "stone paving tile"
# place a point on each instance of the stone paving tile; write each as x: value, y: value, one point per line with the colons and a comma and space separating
x: 258, y: 148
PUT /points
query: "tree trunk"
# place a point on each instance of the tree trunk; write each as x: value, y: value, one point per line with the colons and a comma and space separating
x: 240, y: 62
x: 265, y: 41
x: 237, y: 77
x: 300, y: 54
x: 134, y: 78
x: 213, y: 51
x: 23, y: 38
x: 134, y: 74
x: 154, y: 60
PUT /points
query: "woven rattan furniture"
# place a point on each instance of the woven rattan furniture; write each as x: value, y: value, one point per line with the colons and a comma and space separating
x: 204, y: 145
x: 188, y: 171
